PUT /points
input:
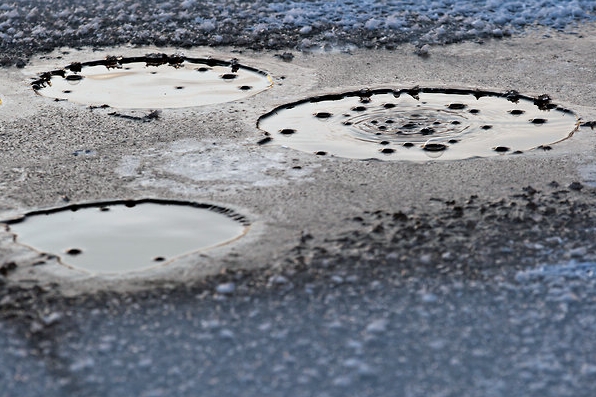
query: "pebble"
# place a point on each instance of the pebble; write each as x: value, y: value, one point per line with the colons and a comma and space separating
x: 377, y: 326
x: 210, y: 324
x: 578, y: 252
x: 52, y: 318
x: 81, y: 364
x: 426, y: 259
x: 264, y: 327
x: 577, y: 186
x: 337, y: 279
x: 278, y: 279
x: 145, y: 362
x: 36, y: 327
x: 424, y: 50
x: 226, y: 288
x: 226, y: 334
x: 437, y: 344
x: 306, y: 30
x: 352, y: 363
x: 429, y: 298
x: 342, y: 381
x: 588, y: 369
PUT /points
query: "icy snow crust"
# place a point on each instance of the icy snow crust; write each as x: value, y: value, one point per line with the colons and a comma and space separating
x: 32, y: 26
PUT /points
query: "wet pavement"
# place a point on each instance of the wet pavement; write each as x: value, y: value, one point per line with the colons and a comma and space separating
x: 357, y: 277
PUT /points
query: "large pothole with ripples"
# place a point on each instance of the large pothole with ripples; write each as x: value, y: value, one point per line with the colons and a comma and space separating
x: 419, y: 124
x: 124, y: 236
x: 152, y: 81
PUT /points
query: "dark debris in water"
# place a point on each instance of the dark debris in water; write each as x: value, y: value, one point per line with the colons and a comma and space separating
x: 74, y: 77
x: 434, y: 147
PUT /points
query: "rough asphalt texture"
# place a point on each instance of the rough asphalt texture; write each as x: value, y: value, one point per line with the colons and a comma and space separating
x: 462, y: 278
x: 33, y: 26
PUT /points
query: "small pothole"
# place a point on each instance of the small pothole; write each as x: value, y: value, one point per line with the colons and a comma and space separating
x: 152, y: 81
x: 419, y: 124
x: 124, y: 236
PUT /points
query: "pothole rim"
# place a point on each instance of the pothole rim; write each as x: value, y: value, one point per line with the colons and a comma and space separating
x: 543, y: 102
x: 232, y: 214
x: 43, y: 79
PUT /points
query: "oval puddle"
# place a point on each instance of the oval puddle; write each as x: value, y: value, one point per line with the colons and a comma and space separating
x: 419, y: 124
x: 124, y: 236
x: 152, y: 81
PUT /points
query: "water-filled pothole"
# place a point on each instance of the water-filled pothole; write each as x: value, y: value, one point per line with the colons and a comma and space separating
x: 123, y: 236
x: 152, y: 81
x: 419, y: 124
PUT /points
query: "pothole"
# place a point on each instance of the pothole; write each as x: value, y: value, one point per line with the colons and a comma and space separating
x: 419, y: 124
x: 152, y: 81
x: 124, y: 236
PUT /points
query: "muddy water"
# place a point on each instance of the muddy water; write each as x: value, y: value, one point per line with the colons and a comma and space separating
x: 118, y: 238
x: 418, y: 125
x: 133, y: 83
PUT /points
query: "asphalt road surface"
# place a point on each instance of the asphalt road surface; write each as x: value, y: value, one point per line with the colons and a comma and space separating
x: 469, y: 277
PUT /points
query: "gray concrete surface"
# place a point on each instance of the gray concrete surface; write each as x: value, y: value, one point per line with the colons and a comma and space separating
x: 468, y: 278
